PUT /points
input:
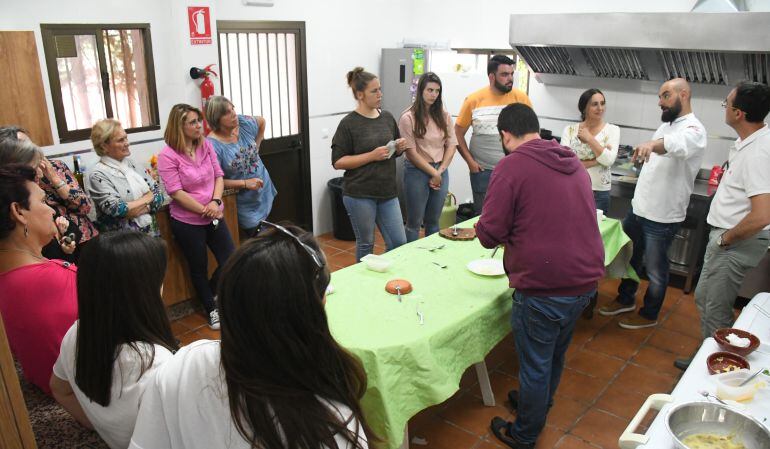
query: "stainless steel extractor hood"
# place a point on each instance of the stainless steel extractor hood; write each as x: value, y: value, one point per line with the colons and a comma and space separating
x: 638, y: 51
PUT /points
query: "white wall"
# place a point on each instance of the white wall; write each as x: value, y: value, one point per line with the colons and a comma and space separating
x: 340, y: 35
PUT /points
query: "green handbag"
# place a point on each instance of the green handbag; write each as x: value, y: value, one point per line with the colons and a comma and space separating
x: 448, y: 212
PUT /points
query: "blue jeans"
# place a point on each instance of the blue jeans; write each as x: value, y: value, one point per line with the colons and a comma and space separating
x: 651, y: 242
x: 542, y: 329
x: 364, y: 213
x: 602, y: 200
x: 423, y: 204
x: 479, y: 183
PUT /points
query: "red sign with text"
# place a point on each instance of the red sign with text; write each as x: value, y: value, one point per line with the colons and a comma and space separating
x: 199, y: 19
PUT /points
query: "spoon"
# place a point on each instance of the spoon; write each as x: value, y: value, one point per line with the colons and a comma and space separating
x: 494, y: 252
x: 398, y: 292
x: 439, y: 265
x: 706, y: 394
x: 750, y: 377
x: 454, y: 230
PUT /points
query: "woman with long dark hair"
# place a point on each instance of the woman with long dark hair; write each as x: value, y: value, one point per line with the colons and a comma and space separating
x: 111, y: 353
x: 277, y: 379
x: 431, y: 144
x: 596, y: 144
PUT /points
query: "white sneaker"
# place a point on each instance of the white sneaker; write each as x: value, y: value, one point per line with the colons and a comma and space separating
x: 214, y: 319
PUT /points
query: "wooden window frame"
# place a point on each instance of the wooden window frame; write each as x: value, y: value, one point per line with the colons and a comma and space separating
x: 49, y: 33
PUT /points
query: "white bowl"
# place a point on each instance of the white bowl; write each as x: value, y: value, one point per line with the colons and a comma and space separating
x: 487, y: 267
x: 377, y: 263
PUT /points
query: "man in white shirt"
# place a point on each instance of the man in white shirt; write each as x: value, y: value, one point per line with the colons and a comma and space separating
x: 740, y: 211
x: 671, y: 159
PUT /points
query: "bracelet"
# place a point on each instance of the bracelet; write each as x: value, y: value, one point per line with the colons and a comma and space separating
x: 60, y: 185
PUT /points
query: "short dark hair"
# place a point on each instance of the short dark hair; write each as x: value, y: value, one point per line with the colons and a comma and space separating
x: 518, y: 119
x: 11, y: 132
x: 13, y: 189
x: 496, y: 61
x: 585, y: 97
x: 753, y: 99
x: 119, y: 302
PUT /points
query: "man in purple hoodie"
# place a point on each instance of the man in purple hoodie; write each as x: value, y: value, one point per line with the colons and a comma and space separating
x: 539, y: 204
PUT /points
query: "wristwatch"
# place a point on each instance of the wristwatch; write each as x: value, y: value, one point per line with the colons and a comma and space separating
x: 217, y: 200
x: 720, y: 243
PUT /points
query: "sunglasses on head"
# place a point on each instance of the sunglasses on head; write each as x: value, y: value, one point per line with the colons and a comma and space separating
x: 319, y: 261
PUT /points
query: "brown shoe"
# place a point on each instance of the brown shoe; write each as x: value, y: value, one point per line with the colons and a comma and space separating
x: 616, y: 308
x: 636, y: 322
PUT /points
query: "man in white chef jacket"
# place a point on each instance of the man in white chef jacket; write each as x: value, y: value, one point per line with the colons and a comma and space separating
x: 671, y: 159
x: 740, y: 211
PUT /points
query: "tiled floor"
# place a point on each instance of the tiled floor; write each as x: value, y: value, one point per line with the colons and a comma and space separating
x: 610, y: 372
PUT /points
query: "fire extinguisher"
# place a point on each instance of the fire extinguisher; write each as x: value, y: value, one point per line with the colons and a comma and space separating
x: 207, y: 88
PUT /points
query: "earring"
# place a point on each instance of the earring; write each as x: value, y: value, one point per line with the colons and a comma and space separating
x: 26, y: 231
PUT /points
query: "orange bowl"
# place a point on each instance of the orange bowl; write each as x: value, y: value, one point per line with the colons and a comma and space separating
x: 719, y: 362
x: 720, y: 335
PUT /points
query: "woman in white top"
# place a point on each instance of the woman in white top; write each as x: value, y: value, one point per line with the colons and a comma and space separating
x: 596, y: 144
x: 109, y: 356
x: 277, y: 379
x: 427, y: 128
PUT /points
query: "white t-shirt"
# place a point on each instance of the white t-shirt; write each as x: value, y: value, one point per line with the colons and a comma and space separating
x: 666, y: 181
x: 609, y: 139
x: 186, y: 407
x: 114, y: 423
x: 748, y: 175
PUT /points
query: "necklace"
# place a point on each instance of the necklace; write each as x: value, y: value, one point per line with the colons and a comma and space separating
x: 20, y: 250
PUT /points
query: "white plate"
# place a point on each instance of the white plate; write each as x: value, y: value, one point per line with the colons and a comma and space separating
x: 486, y: 267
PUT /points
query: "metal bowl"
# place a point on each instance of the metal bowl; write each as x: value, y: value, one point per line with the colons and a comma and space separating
x: 706, y: 417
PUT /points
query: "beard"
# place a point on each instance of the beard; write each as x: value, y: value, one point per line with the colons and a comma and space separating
x: 503, y: 87
x: 670, y: 114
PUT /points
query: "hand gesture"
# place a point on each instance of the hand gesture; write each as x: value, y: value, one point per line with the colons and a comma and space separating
x: 67, y: 245
x: 211, y: 210
x: 474, y: 166
x: 435, y: 182
x: 583, y: 134
x: 379, y: 154
x: 254, y: 183
x: 62, y: 224
x: 401, y: 145
x: 642, y: 152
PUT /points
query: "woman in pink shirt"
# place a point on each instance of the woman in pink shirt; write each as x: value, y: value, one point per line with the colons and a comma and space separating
x: 38, y: 296
x: 193, y: 178
x: 427, y: 128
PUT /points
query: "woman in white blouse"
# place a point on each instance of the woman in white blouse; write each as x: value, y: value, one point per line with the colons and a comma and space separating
x: 596, y: 144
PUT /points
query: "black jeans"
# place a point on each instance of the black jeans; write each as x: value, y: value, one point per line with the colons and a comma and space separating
x: 193, y: 240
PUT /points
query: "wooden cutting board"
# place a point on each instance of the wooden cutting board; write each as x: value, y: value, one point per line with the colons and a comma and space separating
x: 462, y: 234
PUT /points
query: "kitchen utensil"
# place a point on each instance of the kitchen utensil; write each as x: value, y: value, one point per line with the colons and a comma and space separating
x: 398, y: 292
x: 748, y: 379
x: 762, y: 310
x: 718, y: 362
x: 440, y: 265
x: 494, y: 252
x: 420, y: 316
x: 454, y: 230
x: 398, y: 287
x: 377, y: 263
x: 708, y: 395
x: 487, y: 267
x: 729, y: 385
x: 710, y: 418
x: 720, y: 335
x: 432, y: 248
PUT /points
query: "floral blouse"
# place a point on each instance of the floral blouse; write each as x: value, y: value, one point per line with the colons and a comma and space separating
x: 74, y: 208
x: 609, y: 138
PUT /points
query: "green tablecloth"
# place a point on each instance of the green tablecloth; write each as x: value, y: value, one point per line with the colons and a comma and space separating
x: 411, y: 366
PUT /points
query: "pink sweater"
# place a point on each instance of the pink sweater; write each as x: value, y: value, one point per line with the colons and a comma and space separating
x: 197, y: 178
x: 38, y: 303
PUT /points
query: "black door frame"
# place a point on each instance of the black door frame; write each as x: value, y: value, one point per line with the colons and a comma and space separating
x: 303, y: 144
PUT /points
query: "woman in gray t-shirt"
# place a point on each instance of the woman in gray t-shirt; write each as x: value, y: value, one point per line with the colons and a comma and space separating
x: 362, y: 147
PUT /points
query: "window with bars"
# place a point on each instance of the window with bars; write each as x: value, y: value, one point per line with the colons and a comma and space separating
x: 100, y: 71
x: 259, y: 75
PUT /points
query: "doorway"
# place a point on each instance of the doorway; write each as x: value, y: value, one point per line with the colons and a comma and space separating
x: 264, y: 72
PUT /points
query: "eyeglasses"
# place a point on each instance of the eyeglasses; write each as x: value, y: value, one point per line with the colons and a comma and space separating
x: 319, y: 261
x: 724, y: 105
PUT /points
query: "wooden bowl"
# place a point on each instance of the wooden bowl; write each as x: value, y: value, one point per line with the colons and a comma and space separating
x: 406, y: 286
x: 720, y: 335
x: 462, y: 233
x: 718, y: 362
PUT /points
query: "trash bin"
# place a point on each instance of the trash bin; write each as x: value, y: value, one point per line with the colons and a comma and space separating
x: 341, y: 227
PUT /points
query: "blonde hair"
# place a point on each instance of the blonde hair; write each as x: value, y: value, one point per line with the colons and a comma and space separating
x: 102, y: 132
x: 358, y: 79
x: 174, y: 134
x: 216, y: 107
